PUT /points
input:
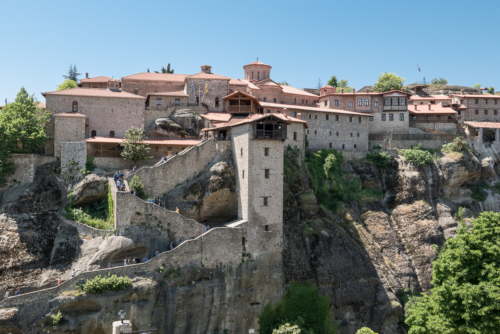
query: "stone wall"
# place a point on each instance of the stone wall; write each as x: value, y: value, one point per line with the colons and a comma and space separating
x: 161, y: 178
x: 121, y: 164
x: 150, y: 86
x: 87, y: 230
x: 68, y: 129
x: 300, y: 142
x: 73, y: 159
x: 449, y: 128
x: 26, y: 165
x: 485, y: 110
x: 131, y: 211
x: 216, y: 89
x: 387, y: 127
x: 219, y: 246
x: 403, y: 144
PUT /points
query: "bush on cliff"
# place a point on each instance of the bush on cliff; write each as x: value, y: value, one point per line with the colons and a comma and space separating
x: 418, y: 156
x: 99, y: 284
x: 137, y: 185
x: 301, y: 305
x: 99, y: 215
x: 379, y: 159
x: 466, y: 280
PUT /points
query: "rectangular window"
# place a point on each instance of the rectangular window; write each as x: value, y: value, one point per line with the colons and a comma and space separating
x: 241, y: 151
x: 307, y: 131
x: 477, y: 112
x: 315, y: 116
x: 350, y: 104
x: 243, y: 174
x: 330, y: 133
x: 401, y: 117
x: 485, y: 101
x: 394, y: 101
x: 495, y: 112
x: 330, y: 145
x: 360, y: 102
x: 266, y: 228
x: 336, y: 102
x: 358, y: 134
x: 387, y: 101
x: 266, y: 173
x: 359, y: 119
x: 383, y: 117
x: 350, y: 119
x: 294, y: 114
x: 177, y: 102
x: 343, y: 146
x: 402, y: 101
x: 266, y: 201
x: 266, y: 151
x: 476, y: 101
x: 486, y: 112
x: 309, y: 116
x: 438, y: 117
x: 315, y: 132
x: 355, y: 146
x: 337, y: 118
x: 495, y: 101
x: 326, y: 117
x: 367, y: 102
x: 351, y: 134
x: 391, y: 117
x: 376, y: 104
x: 158, y: 102
x: 326, y: 103
x: 295, y: 136
x: 268, y: 111
x: 371, y: 118
x: 337, y: 133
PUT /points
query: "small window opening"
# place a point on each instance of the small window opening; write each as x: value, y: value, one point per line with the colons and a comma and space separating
x: 266, y: 201
x: 266, y: 151
x: 112, y: 134
x: 266, y: 173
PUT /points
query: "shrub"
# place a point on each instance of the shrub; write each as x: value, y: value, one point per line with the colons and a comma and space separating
x: 99, y: 284
x: 460, y: 215
x: 418, y: 156
x: 287, y: 329
x: 301, y: 305
x: 137, y: 185
x: 99, y: 215
x: 365, y: 330
x: 377, y: 147
x: 111, y: 207
x: 379, y: 159
x: 478, y: 191
x: 56, y: 319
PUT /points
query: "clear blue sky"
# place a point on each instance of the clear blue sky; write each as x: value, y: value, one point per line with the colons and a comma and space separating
x: 302, y: 40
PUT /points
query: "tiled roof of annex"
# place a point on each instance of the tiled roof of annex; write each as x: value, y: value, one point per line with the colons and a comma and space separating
x: 70, y: 114
x: 239, y: 120
x: 296, y: 91
x: 150, y: 141
x: 100, y: 79
x: 477, y: 96
x: 314, y: 109
x: 429, y: 109
x: 256, y: 63
x: 94, y: 93
x: 146, y: 76
x: 429, y: 97
x: 484, y: 125
x: 208, y: 76
x: 237, y: 82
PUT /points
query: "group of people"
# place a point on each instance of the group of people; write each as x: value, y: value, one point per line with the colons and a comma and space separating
x: 207, y: 227
x: 129, y: 261
x: 157, y: 201
x: 7, y: 294
x: 118, y: 177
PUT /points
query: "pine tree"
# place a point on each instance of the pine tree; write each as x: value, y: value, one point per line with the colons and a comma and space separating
x: 170, y: 71
x: 72, y: 73
x: 133, y: 148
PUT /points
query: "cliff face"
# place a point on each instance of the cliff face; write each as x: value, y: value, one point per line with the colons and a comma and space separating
x: 362, y: 256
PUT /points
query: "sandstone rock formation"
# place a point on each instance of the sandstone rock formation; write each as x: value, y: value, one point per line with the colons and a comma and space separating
x: 89, y: 190
x: 180, y: 124
x: 164, y: 127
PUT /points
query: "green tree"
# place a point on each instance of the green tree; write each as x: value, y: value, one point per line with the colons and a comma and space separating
x: 387, y: 81
x: 133, y: 148
x: 466, y: 280
x: 300, y: 305
x: 365, y: 330
x: 491, y: 90
x: 23, y: 124
x: 440, y: 81
x: 137, y: 185
x: 476, y: 86
x: 67, y: 84
x: 283, y: 83
x: 332, y: 82
x: 343, y: 84
x: 72, y: 73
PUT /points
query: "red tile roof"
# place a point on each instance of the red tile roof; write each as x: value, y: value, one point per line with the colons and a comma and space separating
x: 150, y: 141
x: 239, y: 120
x: 238, y: 93
x: 208, y: 76
x: 296, y: 91
x: 146, y: 76
x: 478, y: 96
x: 70, y: 114
x: 484, y: 125
x: 237, y: 82
x: 250, y: 85
x: 314, y: 109
x: 429, y: 97
x: 217, y: 117
x: 423, y: 109
x: 100, y: 79
x: 257, y: 63
x: 41, y: 105
x: 94, y: 93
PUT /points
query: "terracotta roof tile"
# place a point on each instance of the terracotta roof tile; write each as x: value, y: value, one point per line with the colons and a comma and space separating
x: 94, y: 93
x: 315, y: 109
x: 296, y: 91
x: 156, y: 77
x: 257, y: 63
x: 422, y: 109
x: 237, y: 82
x: 478, y: 96
x: 150, y: 141
x: 41, y: 105
x: 429, y: 97
x: 485, y: 125
x: 100, y: 79
x: 208, y: 76
x: 239, y: 120
x: 250, y: 85
x: 217, y: 117
x: 69, y: 114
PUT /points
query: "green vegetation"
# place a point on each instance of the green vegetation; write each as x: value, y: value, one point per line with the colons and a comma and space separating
x: 111, y: 208
x: 372, y: 194
x: 457, y: 146
x: 165, y: 70
x: 387, y: 81
x: 440, y: 81
x: 67, y: 84
x: 56, y: 319
x: 302, y: 306
x: 365, y: 330
x: 466, y: 280
x: 99, y: 284
x: 476, y: 86
x: 460, y: 215
x: 478, y: 191
x: 99, y: 215
x: 377, y: 147
x: 418, y: 156
x: 343, y: 84
x: 137, y: 185
x: 287, y: 329
x: 72, y: 73
x: 133, y: 148
x: 491, y: 90
x: 283, y: 83
x: 379, y: 159
x: 332, y: 82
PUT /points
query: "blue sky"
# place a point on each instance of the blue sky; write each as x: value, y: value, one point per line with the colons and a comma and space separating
x: 303, y: 40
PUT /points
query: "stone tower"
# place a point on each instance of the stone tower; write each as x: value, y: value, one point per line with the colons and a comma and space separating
x: 257, y: 71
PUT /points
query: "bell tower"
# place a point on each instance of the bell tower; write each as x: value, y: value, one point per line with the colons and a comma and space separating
x: 257, y: 71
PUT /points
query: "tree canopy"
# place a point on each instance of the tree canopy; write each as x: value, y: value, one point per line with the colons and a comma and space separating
x: 476, y: 86
x: 72, y: 73
x: 301, y: 305
x: 491, y: 90
x: 333, y: 81
x: 440, y: 81
x: 165, y: 70
x: 387, y: 81
x: 343, y: 84
x: 466, y: 279
x: 283, y: 83
x: 67, y: 84
x: 133, y: 148
x: 365, y: 330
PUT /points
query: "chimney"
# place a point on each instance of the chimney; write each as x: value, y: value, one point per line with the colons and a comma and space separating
x: 299, y: 115
x: 429, y: 106
x: 353, y: 90
x: 87, y: 75
x: 415, y: 106
x: 379, y: 90
x: 462, y: 91
x: 342, y: 91
x: 392, y: 88
x: 367, y: 90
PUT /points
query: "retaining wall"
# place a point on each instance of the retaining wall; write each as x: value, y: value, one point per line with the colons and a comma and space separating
x: 218, y: 247
x: 161, y: 178
x: 425, y: 143
x: 87, y: 230
x: 121, y: 164
x: 26, y: 165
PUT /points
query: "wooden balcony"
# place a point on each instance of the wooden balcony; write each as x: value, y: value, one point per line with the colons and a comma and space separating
x: 270, y: 130
x: 242, y: 108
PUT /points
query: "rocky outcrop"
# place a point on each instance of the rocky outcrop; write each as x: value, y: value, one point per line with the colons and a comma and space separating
x: 89, y: 190
x: 190, y: 120
x: 164, y: 127
x: 210, y: 195
x: 180, y: 124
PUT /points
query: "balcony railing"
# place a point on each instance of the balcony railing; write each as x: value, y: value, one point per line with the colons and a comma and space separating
x: 276, y: 134
x: 433, y: 121
x: 396, y: 108
x: 244, y: 108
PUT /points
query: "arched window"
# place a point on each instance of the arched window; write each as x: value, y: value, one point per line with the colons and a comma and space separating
x: 274, y: 100
x: 94, y: 133
x: 216, y: 102
x: 197, y: 100
x: 112, y: 134
x: 136, y: 92
x: 264, y: 99
x: 258, y: 75
x: 75, y: 106
x: 252, y: 75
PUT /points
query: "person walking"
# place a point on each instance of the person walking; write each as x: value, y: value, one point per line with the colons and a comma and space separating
x: 171, y: 245
x: 144, y: 259
x: 207, y: 228
x: 118, y: 184
x: 109, y: 265
x: 115, y: 177
x: 17, y: 292
x: 129, y: 261
x: 59, y: 280
x: 125, y: 262
x: 177, y: 209
x: 157, y: 252
x: 134, y: 169
x: 7, y: 295
x: 73, y: 273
